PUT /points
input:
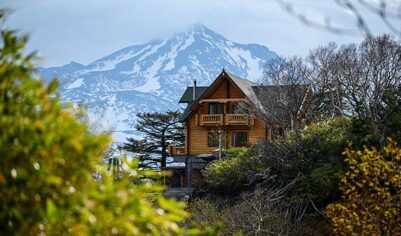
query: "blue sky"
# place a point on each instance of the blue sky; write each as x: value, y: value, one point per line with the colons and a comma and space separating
x: 85, y: 30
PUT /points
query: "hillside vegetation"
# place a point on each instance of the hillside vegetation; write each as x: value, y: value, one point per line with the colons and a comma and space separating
x: 339, y: 174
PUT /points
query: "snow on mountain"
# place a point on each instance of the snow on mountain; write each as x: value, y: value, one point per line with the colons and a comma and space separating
x: 152, y: 76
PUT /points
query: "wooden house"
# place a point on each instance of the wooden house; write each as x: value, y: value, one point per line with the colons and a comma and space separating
x: 216, y: 118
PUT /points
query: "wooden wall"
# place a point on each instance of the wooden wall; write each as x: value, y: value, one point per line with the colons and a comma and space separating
x: 226, y: 90
x: 197, y: 141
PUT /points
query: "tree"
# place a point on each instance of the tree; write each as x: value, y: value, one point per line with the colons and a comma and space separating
x: 362, y: 10
x: 160, y: 130
x: 362, y: 80
x: 283, y: 93
x: 323, y: 66
x: 48, y: 156
x: 371, y: 201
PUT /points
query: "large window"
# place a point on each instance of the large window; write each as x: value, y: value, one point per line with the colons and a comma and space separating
x: 216, y: 108
x: 213, y: 139
x: 240, y: 138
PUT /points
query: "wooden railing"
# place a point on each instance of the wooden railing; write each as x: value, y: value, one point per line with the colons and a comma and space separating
x: 177, y: 151
x: 239, y: 119
x: 211, y: 119
x: 227, y: 119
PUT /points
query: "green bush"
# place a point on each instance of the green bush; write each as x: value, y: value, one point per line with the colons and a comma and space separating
x: 204, y: 212
x: 313, y: 158
x: 241, y: 153
x: 48, y: 157
x: 232, y: 173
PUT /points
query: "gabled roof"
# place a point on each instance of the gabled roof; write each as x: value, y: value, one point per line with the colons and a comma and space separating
x: 187, y: 97
x: 254, y: 92
x: 244, y: 85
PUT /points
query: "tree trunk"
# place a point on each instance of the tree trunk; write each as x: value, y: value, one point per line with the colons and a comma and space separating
x: 164, y: 152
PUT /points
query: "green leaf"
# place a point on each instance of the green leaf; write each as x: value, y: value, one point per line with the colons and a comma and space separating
x: 51, y: 211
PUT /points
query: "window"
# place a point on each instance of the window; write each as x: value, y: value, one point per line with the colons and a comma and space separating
x: 213, y: 139
x: 240, y: 138
x: 216, y: 108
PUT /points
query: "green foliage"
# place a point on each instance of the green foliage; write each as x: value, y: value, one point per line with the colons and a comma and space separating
x: 371, y: 201
x: 48, y: 156
x: 317, y: 158
x: 232, y: 173
x: 363, y: 132
x: 312, y: 156
x: 241, y: 153
x: 204, y: 212
x: 160, y: 131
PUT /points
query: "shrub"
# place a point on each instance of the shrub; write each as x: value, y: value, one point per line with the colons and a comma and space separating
x: 313, y: 157
x: 204, y: 212
x: 241, y: 153
x: 233, y: 174
x: 371, y: 201
x: 259, y: 212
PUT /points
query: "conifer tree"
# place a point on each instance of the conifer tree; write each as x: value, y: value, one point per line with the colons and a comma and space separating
x: 160, y: 130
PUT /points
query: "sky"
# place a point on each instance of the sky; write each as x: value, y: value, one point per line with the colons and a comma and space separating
x: 86, y: 30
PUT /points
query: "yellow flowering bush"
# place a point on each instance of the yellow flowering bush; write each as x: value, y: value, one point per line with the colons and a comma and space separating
x: 371, y: 201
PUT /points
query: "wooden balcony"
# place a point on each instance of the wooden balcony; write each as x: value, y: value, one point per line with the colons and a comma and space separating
x: 215, y: 119
x: 227, y: 119
x: 177, y: 151
x: 234, y: 119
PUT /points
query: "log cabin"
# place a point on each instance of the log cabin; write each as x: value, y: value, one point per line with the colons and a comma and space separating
x: 217, y: 118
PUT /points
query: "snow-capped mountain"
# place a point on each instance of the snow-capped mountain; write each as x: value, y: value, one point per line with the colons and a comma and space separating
x: 152, y: 76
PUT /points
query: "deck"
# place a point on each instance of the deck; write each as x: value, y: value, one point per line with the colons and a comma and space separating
x: 226, y: 119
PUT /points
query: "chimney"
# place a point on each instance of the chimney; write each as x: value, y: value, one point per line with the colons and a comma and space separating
x: 194, y: 91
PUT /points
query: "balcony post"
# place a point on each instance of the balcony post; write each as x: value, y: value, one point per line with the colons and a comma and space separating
x: 220, y: 144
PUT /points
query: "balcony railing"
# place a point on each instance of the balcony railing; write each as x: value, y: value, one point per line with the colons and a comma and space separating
x: 211, y: 119
x: 177, y: 151
x: 236, y: 119
x: 227, y: 119
x: 239, y: 119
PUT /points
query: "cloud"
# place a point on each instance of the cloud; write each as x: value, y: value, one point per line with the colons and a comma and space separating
x: 65, y: 30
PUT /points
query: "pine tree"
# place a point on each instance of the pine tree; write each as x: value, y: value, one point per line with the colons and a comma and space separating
x: 160, y: 130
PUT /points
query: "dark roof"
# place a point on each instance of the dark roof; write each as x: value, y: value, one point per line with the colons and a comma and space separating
x: 244, y: 85
x: 270, y: 97
x: 186, y: 112
x: 187, y: 97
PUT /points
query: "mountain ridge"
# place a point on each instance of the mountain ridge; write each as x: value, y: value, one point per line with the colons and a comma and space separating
x: 152, y: 76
